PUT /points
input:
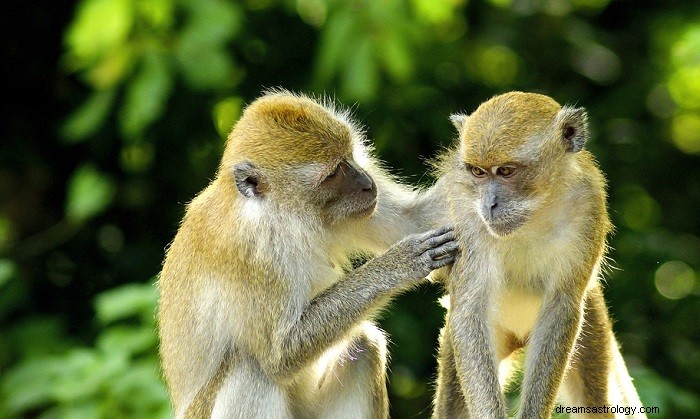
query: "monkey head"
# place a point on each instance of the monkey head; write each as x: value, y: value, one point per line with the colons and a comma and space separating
x: 290, y: 151
x: 514, y: 152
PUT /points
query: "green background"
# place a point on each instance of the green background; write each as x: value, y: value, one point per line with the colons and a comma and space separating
x: 115, y: 113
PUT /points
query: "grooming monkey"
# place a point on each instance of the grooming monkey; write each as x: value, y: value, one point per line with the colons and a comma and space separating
x: 256, y: 316
x: 529, y: 207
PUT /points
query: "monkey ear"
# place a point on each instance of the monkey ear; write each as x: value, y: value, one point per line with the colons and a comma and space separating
x: 458, y: 120
x: 250, y: 180
x: 573, y: 126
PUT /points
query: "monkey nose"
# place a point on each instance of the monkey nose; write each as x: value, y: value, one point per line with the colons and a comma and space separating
x: 492, y: 207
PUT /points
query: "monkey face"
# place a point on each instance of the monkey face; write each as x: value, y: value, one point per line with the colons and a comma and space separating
x: 347, y: 192
x: 500, y: 202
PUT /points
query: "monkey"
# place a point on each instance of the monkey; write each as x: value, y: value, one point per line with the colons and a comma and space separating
x: 259, y: 312
x: 529, y: 208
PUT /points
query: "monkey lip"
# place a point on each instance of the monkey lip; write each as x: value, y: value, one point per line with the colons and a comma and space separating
x: 366, y: 211
x: 502, y: 228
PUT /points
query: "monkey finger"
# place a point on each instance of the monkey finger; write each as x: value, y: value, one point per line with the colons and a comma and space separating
x: 442, y: 262
x: 444, y: 250
x: 435, y: 240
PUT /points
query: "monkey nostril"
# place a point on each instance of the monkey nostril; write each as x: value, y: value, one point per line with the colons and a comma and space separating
x: 367, y: 187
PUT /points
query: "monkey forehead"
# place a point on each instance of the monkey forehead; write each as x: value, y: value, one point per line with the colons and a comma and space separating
x: 507, y: 127
x: 288, y: 129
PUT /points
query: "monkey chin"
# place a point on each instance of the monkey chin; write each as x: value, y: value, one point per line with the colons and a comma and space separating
x: 500, y: 229
x: 366, y: 212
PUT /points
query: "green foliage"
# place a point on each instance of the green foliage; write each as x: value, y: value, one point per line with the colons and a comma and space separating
x: 89, y: 193
x: 117, y: 377
x: 129, y: 124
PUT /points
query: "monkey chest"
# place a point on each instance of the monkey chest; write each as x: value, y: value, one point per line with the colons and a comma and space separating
x: 517, y: 311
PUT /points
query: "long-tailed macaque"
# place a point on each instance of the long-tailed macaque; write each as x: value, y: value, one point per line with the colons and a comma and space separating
x: 529, y: 209
x: 259, y: 313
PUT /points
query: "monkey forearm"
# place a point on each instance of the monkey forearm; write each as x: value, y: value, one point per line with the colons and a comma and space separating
x: 475, y: 355
x: 553, y: 339
x: 333, y: 313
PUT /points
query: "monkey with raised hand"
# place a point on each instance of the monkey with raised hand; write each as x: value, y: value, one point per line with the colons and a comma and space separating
x: 529, y: 208
x: 257, y: 318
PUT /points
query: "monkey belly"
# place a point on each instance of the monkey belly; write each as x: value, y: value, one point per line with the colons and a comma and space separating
x: 517, y: 312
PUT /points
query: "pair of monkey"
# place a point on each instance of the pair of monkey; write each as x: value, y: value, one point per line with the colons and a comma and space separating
x: 261, y: 315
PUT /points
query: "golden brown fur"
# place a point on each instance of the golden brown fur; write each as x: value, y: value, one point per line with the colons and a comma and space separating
x: 256, y: 316
x: 529, y: 207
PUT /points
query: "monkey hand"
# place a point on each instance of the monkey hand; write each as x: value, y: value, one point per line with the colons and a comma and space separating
x: 419, y: 254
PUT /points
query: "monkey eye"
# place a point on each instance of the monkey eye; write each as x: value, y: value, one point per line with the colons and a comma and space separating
x: 477, y: 171
x: 332, y: 174
x: 505, y: 171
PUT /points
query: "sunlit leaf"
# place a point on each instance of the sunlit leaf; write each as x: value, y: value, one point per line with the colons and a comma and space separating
x: 141, y: 386
x: 396, y: 56
x: 30, y: 384
x: 126, y: 301
x: 7, y: 271
x: 335, y: 41
x: 226, y: 113
x: 89, y: 193
x: 127, y: 340
x: 99, y: 25
x: 205, y: 68
x: 213, y: 22
x: 361, y: 79
x: 146, y: 95
x: 89, y: 117
x: 111, y: 69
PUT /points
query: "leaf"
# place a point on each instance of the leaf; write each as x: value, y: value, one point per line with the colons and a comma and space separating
x: 89, y: 193
x: 126, y: 301
x: 88, y: 118
x: 205, y: 67
x: 7, y: 271
x: 214, y: 21
x: 333, y: 50
x: 29, y: 384
x: 201, y: 50
x: 361, y: 79
x: 396, y: 56
x: 146, y: 95
x: 99, y: 26
x: 127, y: 340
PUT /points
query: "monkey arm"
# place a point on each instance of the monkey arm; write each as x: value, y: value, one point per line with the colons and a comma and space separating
x: 470, y: 321
x: 552, y: 341
x: 334, y: 312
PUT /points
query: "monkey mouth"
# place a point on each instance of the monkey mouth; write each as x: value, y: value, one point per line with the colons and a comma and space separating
x: 366, y: 211
x: 501, y: 228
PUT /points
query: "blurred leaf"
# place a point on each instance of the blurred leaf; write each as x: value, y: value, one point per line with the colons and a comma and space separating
x: 89, y: 193
x: 361, y: 79
x: 83, y: 373
x: 38, y: 335
x: 146, y: 95
x: 204, y: 67
x: 99, y: 26
x: 396, y: 56
x: 127, y: 340
x: 30, y: 384
x: 141, y: 386
x: 656, y: 391
x: 226, y: 113
x: 335, y: 39
x: 213, y: 22
x: 88, y: 118
x: 201, y: 48
x: 126, y: 301
x: 7, y: 271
